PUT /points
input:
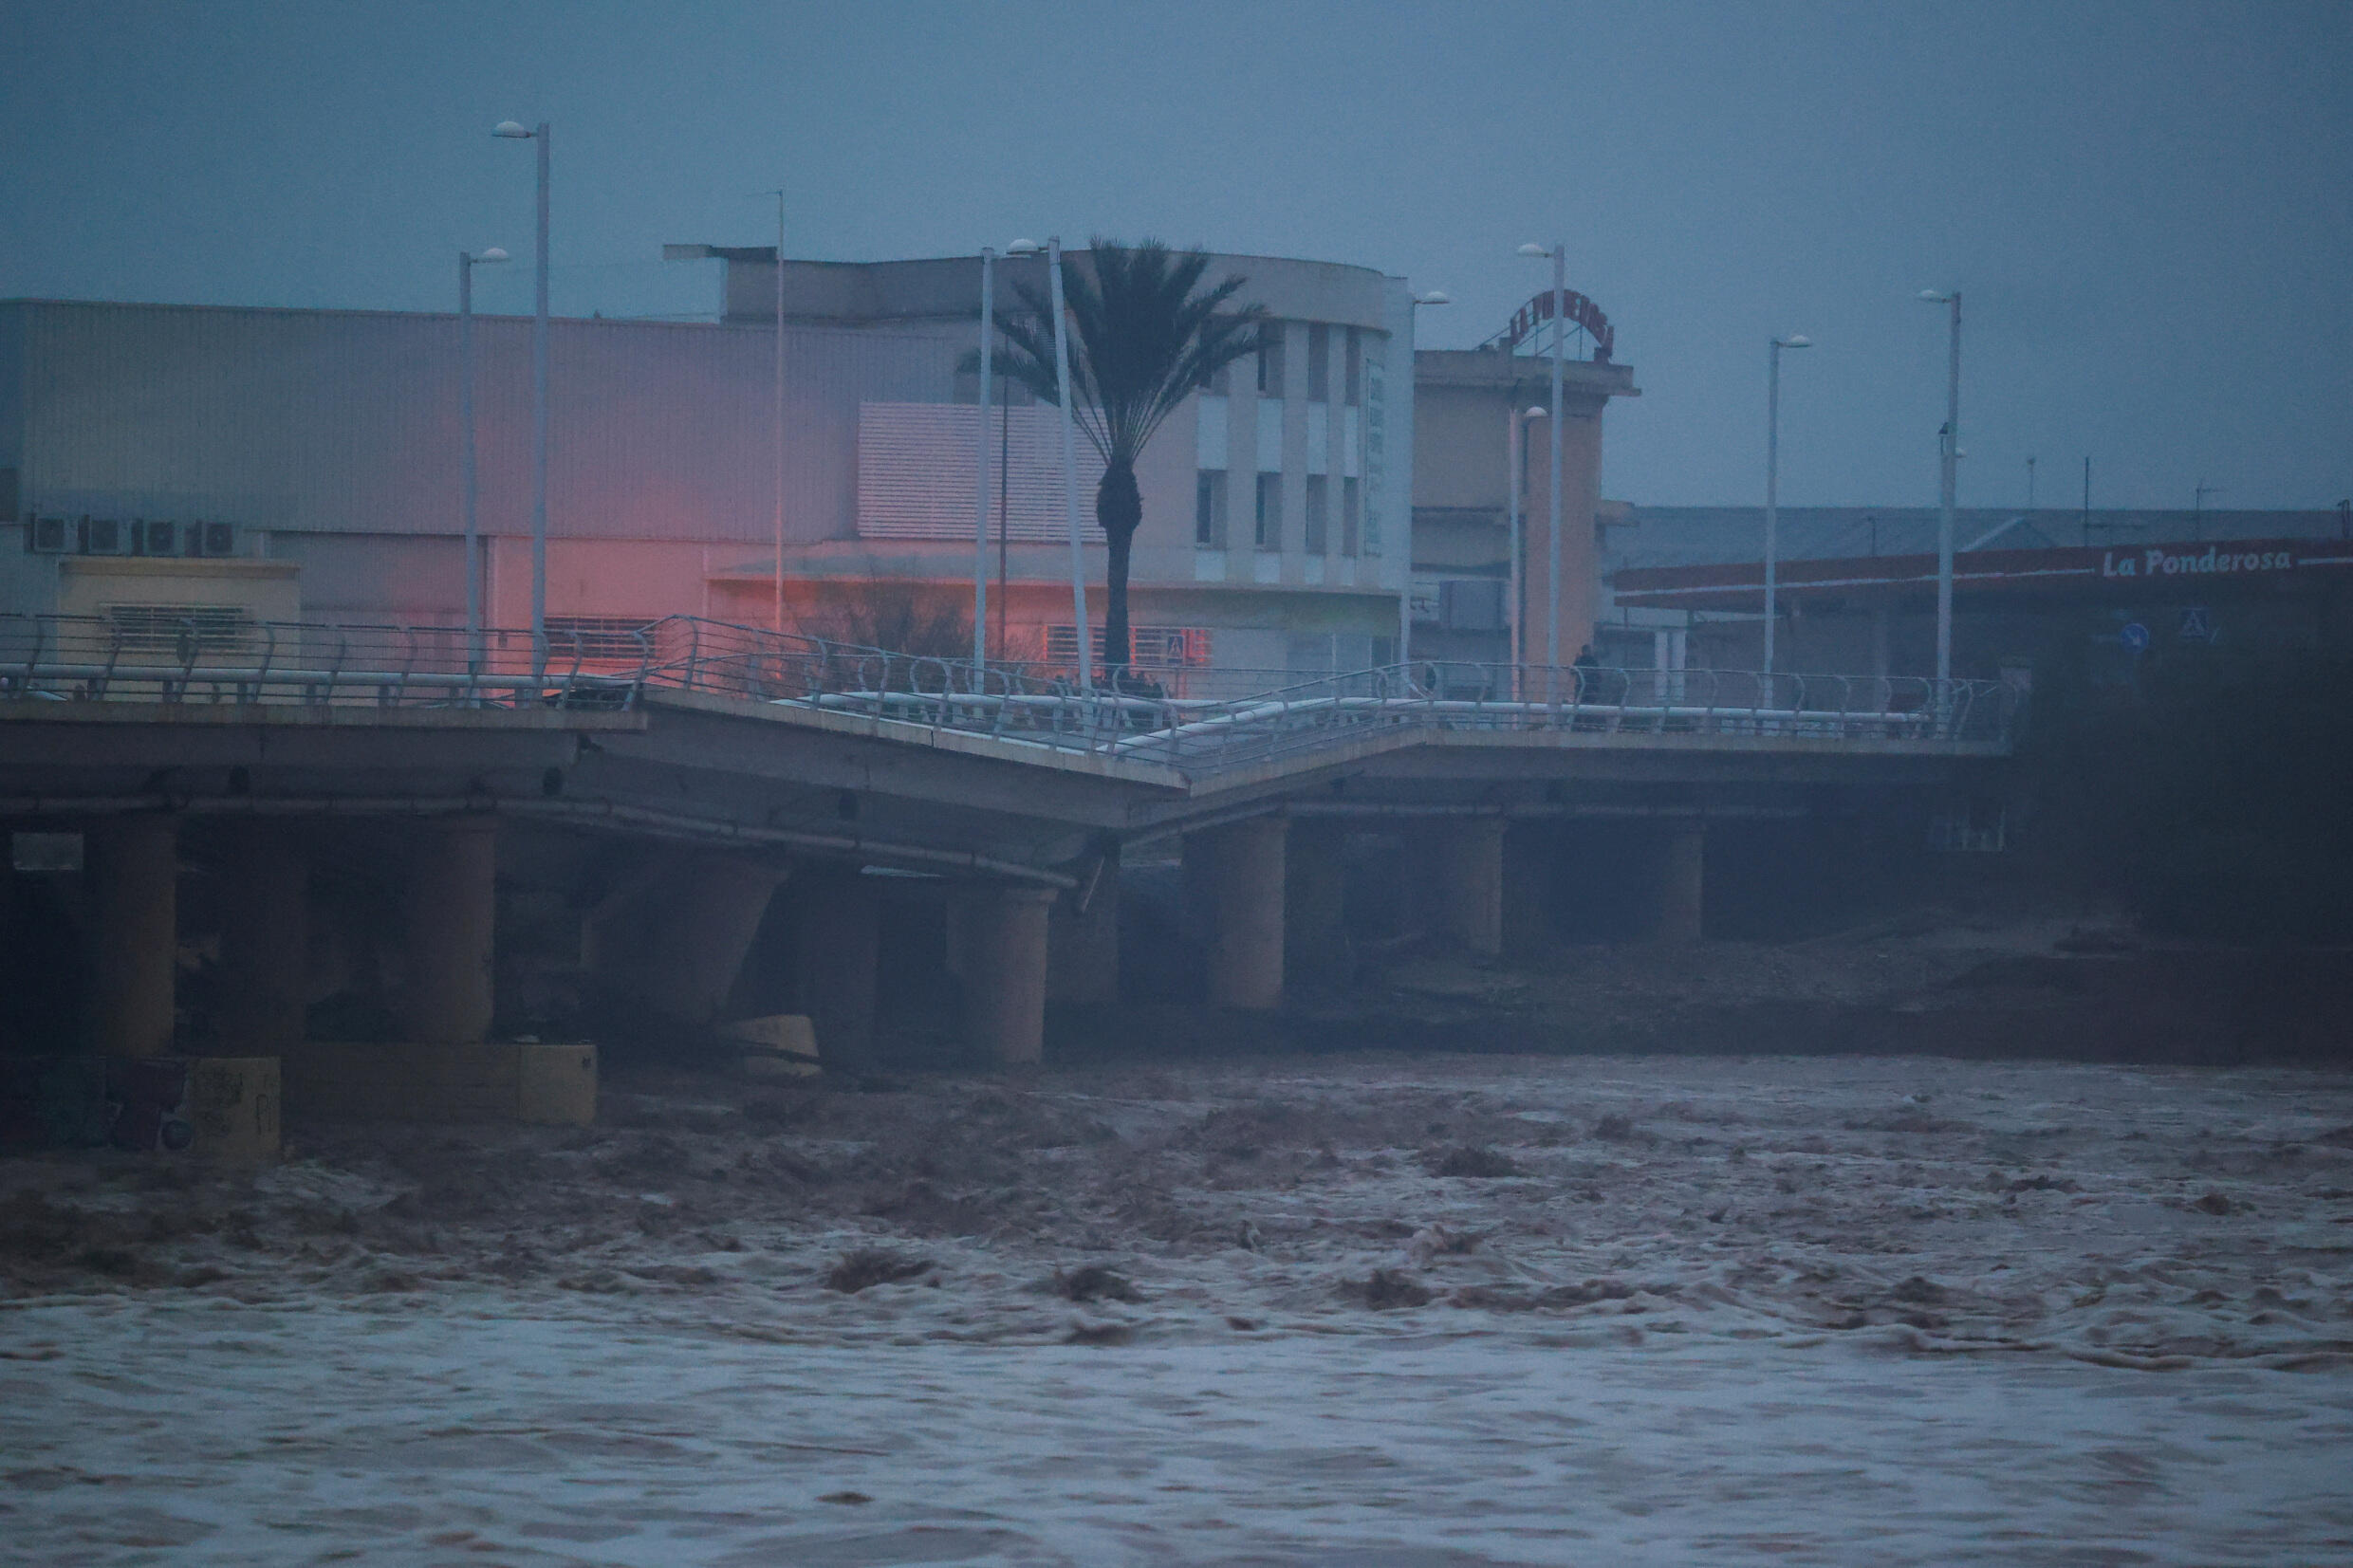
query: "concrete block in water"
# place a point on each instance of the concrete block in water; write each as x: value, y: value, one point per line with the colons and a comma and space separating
x: 524, y: 1081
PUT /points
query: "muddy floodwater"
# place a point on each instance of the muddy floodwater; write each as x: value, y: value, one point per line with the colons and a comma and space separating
x: 1350, y: 1310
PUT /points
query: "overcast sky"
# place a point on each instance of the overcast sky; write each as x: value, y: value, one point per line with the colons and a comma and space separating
x: 2147, y: 206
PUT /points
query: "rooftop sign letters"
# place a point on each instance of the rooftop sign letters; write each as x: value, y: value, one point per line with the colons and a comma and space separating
x: 1582, y: 314
x: 2157, y: 561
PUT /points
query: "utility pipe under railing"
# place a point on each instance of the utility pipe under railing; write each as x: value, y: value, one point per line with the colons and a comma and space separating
x: 702, y: 829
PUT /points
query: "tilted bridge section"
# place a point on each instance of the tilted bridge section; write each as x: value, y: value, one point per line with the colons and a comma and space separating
x: 750, y: 756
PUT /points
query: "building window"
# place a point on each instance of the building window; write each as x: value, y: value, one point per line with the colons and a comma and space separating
x: 1319, y: 361
x: 1316, y: 489
x: 1471, y: 604
x: 1352, y: 370
x: 1351, y: 500
x: 1208, y: 509
x: 1220, y: 382
x: 1270, y: 525
x: 1271, y: 360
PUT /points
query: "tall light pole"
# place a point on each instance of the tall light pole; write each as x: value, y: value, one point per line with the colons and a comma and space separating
x: 1405, y: 594
x: 1515, y: 446
x: 980, y: 499
x: 512, y: 131
x: 2197, y: 508
x: 467, y: 262
x: 780, y: 408
x: 1772, y: 481
x: 1950, y: 440
x: 1559, y: 342
x: 1070, y: 468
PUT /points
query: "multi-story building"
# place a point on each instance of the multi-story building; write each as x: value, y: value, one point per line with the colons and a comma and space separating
x: 1476, y: 413
x: 305, y: 464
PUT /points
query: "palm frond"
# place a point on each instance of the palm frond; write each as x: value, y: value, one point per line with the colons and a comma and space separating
x: 1141, y: 340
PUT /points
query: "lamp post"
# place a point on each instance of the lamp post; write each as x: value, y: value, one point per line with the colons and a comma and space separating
x: 2197, y: 508
x: 1004, y: 490
x: 779, y: 408
x: 1772, y: 481
x: 1515, y: 445
x: 1069, y: 455
x: 467, y: 262
x: 1560, y: 340
x: 980, y: 498
x: 1950, y: 451
x: 512, y: 131
x: 1405, y: 593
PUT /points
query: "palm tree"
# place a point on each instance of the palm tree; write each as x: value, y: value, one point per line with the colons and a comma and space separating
x: 1142, y: 340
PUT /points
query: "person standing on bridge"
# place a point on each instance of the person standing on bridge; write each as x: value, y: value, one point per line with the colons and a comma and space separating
x: 1585, y: 660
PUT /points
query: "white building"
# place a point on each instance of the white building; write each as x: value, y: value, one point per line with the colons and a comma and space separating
x: 303, y: 463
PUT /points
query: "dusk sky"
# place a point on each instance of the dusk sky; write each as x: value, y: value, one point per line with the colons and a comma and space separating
x: 2148, y: 206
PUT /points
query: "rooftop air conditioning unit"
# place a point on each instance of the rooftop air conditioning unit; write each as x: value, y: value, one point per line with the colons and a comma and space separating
x: 154, y: 537
x: 48, y: 535
x: 101, y: 536
x: 213, y: 539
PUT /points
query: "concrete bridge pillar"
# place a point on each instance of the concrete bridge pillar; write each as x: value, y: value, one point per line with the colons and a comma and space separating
x: 1243, y: 872
x: 134, y: 875
x: 1530, y: 850
x: 265, y: 940
x: 1315, y: 877
x: 839, y: 924
x: 1677, y: 903
x: 1466, y: 864
x: 1004, y: 971
x: 691, y: 931
x: 1083, y: 948
x: 451, y: 915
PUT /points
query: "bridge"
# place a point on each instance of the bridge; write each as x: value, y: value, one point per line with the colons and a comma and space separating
x: 635, y: 800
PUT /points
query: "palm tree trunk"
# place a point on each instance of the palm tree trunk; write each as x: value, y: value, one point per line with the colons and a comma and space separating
x: 1118, y: 507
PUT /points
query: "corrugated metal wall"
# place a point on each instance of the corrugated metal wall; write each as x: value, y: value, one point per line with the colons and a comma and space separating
x: 919, y: 466
x: 349, y: 422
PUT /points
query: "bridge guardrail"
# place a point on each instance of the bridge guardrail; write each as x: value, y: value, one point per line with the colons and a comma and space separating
x: 191, y: 659
x: 98, y: 658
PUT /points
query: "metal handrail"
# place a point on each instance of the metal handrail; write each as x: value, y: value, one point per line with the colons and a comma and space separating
x: 91, y: 657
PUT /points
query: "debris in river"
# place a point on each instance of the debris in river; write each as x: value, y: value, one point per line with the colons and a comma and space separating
x: 868, y: 1267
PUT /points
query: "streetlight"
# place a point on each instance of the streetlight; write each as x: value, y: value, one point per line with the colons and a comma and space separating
x: 1069, y: 451
x: 1949, y: 450
x: 1560, y: 338
x: 512, y: 131
x: 779, y: 195
x: 1024, y: 249
x: 1005, y: 463
x: 1515, y: 444
x: 1773, y: 479
x: 1405, y: 595
x: 467, y: 262
x: 980, y: 499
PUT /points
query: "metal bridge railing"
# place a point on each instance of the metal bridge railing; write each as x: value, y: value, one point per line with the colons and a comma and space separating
x: 86, y: 659
x: 1285, y: 713
x: 155, y: 660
